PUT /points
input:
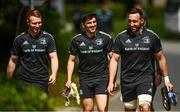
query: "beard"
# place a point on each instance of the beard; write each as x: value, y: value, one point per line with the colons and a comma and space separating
x: 135, y: 30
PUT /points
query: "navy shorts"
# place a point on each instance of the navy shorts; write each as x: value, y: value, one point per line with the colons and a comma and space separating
x: 91, y: 89
x: 130, y: 92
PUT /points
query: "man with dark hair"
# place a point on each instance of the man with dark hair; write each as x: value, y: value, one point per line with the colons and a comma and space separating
x: 93, y: 49
x: 33, y: 48
x: 136, y: 46
x: 157, y: 72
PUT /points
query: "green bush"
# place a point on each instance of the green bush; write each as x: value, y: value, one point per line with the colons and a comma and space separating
x: 15, y: 95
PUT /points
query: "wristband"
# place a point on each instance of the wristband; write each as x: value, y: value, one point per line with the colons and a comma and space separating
x: 166, y: 79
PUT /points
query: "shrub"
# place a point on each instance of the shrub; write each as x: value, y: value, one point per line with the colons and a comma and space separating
x: 16, y: 96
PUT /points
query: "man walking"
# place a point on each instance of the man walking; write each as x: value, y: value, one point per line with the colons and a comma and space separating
x: 33, y: 48
x: 93, y: 49
x: 136, y: 46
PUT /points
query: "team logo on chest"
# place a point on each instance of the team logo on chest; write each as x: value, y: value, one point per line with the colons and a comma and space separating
x: 42, y: 41
x: 99, y: 41
x: 146, y: 39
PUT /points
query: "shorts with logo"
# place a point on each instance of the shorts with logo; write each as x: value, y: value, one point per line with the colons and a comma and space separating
x: 91, y: 89
x: 130, y: 92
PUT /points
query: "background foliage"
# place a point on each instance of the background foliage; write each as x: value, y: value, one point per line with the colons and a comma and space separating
x: 15, y: 96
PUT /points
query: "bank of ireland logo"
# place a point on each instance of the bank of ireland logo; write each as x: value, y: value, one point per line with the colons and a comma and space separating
x: 99, y: 41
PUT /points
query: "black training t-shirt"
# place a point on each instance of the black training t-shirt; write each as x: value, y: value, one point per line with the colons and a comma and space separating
x: 33, y: 55
x: 92, y: 53
x: 136, y: 55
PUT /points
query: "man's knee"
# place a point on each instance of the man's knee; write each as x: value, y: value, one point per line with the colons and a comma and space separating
x: 102, y: 102
x: 144, y: 102
x: 132, y: 105
x: 144, y: 106
x: 88, y: 104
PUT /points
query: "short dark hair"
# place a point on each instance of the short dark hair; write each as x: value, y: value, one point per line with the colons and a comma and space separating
x: 136, y: 10
x: 87, y: 16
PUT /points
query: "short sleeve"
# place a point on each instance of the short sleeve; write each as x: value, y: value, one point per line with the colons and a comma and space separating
x: 117, y: 46
x: 73, y: 49
x: 16, y: 48
x: 157, y: 44
x: 51, y: 46
x: 108, y: 44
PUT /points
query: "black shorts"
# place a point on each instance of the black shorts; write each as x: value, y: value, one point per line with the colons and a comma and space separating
x: 130, y: 92
x: 91, y: 89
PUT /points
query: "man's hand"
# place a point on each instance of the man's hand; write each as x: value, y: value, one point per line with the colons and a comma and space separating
x: 110, y: 88
x: 52, y: 79
x: 68, y: 84
x: 167, y: 82
x: 169, y: 86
